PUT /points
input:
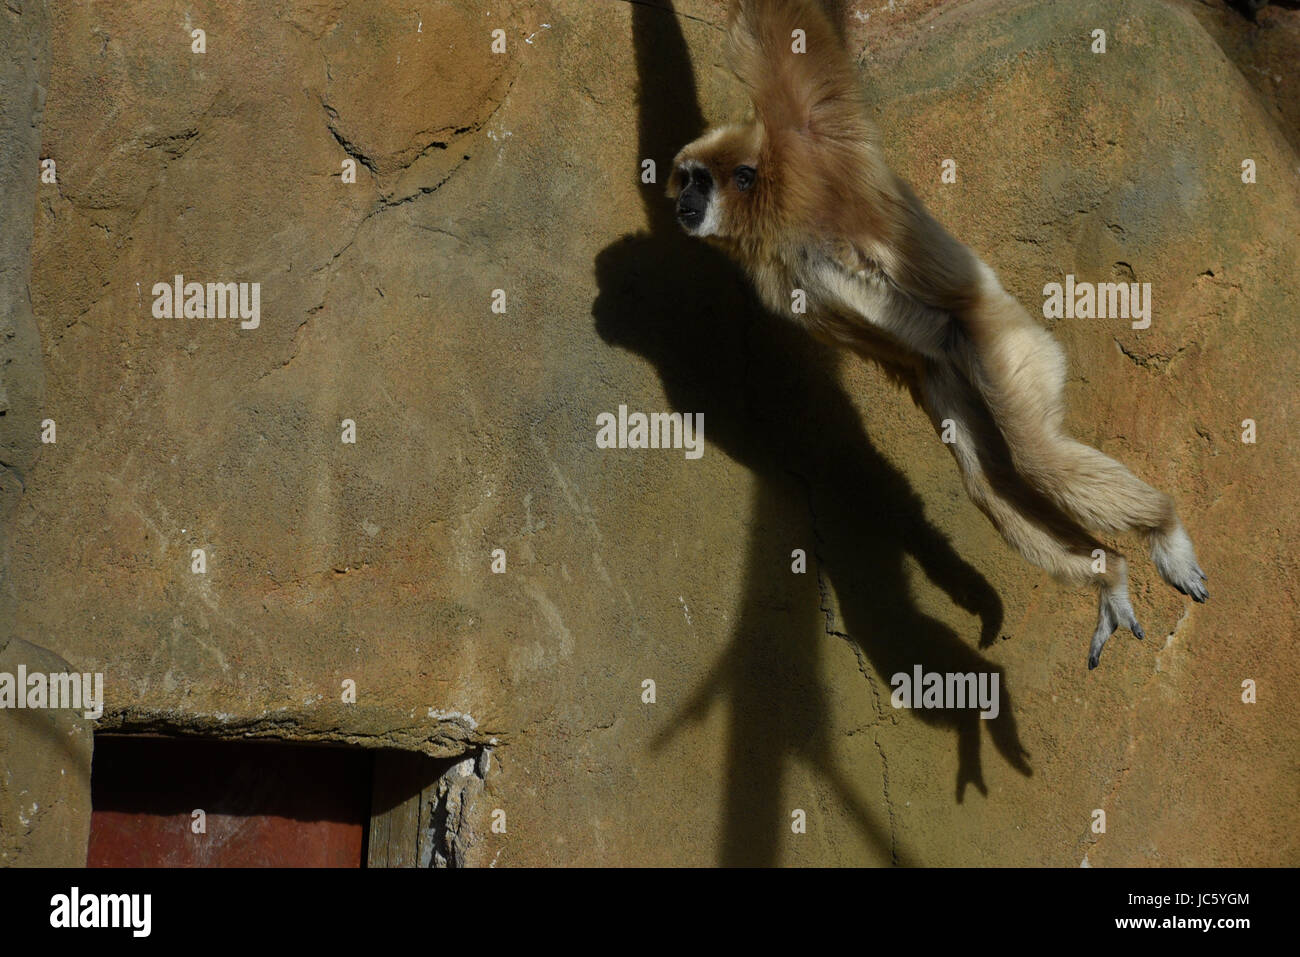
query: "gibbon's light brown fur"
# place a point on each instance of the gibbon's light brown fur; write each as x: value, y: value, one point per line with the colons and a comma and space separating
x: 802, y: 196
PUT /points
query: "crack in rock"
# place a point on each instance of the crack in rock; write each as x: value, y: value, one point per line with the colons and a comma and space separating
x: 828, y: 611
x: 451, y: 830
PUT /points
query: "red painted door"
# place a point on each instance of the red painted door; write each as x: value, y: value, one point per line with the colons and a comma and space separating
x: 264, y: 804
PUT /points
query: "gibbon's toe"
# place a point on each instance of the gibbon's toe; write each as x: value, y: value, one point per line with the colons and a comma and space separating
x: 1200, y: 593
x: 1114, y: 610
x: 1099, y: 639
x: 1196, y: 591
x: 1128, y: 618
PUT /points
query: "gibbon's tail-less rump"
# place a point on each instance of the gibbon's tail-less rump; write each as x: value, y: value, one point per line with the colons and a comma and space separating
x: 802, y: 196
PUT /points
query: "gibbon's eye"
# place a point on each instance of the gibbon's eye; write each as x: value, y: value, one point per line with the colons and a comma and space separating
x: 744, y: 177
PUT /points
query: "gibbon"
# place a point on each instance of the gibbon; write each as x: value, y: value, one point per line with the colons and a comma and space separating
x: 801, y: 196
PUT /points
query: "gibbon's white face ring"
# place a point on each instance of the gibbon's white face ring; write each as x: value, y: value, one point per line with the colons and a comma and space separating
x: 712, y: 219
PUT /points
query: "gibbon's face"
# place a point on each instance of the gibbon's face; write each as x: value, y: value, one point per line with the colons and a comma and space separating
x: 716, y: 182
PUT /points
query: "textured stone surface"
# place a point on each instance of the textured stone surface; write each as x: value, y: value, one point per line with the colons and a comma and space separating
x: 44, y: 771
x: 24, y: 74
x: 370, y: 562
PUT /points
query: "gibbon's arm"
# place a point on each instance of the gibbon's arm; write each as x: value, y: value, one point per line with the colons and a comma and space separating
x: 815, y: 92
x: 828, y: 166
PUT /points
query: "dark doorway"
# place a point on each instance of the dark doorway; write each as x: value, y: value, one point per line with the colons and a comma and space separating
x: 263, y: 803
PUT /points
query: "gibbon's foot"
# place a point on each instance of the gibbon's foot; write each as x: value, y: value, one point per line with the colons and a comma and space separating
x: 1113, y: 610
x: 1175, y: 559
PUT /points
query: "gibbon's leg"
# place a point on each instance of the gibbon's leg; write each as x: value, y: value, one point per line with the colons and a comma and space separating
x: 1031, y: 523
x: 1106, y: 496
x: 1020, y: 370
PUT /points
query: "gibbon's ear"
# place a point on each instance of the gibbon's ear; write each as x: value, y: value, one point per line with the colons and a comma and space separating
x: 814, y: 92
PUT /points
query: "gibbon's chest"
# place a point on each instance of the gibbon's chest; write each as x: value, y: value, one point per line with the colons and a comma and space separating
x: 853, y: 304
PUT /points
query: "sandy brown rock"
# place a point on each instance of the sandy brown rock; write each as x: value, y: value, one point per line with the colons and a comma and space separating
x: 24, y: 75
x: 1146, y: 185
x: 45, y: 756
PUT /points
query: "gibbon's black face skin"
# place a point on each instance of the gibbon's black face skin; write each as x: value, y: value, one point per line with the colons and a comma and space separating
x: 693, y: 201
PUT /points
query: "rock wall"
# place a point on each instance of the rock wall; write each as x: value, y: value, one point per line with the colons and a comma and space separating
x: 326, y: 561
x: 24, y: 76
